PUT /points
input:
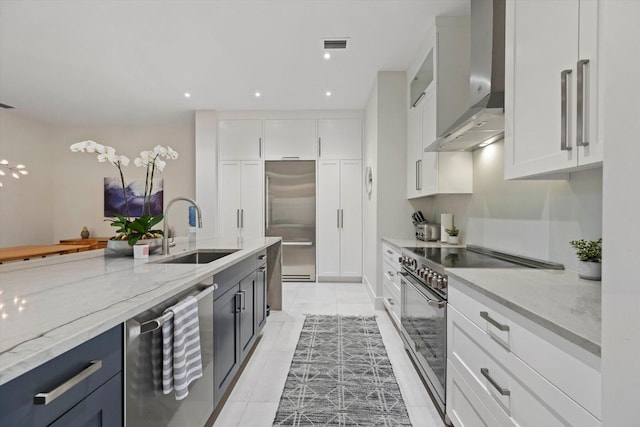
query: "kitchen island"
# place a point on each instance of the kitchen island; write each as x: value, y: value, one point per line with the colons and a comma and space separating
x: 50, y: 306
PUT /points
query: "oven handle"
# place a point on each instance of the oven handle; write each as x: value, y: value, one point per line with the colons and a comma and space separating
x: 431, y: 302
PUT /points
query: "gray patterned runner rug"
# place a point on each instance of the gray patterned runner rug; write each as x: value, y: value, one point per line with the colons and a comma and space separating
x: 341, y: 376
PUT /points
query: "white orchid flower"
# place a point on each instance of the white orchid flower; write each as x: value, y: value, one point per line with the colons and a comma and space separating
x: 160, y: 164
x: 93, y: 147
x: 79, y: 146
x: 145, y: 156
x: 124, y: 160
x: 109, y: 150
x: 102, y: 157
x: 172, y: 153
x: 138, y: 162
x: 160, y: 150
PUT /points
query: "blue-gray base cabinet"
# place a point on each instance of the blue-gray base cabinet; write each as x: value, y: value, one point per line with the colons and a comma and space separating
x: 239, y: 313
x: 93, y: 372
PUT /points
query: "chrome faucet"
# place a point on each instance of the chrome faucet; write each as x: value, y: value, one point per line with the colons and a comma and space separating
x: 165, y: 240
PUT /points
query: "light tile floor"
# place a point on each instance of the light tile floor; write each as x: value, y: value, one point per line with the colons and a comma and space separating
x: 254, y: 399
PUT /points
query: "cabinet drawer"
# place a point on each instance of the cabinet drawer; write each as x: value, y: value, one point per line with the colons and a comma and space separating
x: 233, y: 275
x: 391, y: 275
x: 464, y: 408
x: 392, y: 304
x: 391, y: 253
x: 17, y: 406
x: 515, y: 394
x: 576, y: 378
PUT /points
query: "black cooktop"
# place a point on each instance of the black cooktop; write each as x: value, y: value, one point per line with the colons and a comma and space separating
x: 462, y: 258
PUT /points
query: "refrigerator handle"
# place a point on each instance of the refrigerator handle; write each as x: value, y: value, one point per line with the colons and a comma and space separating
x: 237, y: 218
x: 338, y: 217
x: 266, y: 205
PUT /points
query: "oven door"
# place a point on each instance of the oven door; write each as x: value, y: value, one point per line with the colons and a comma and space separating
x: 423, y: 320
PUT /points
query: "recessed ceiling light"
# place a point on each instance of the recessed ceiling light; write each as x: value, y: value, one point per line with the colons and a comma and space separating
x: 328, y: 93
x: 327, y: 55
x: 187, y: 95
x: 258, y: 94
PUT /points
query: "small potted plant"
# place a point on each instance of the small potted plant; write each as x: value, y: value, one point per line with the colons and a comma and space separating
x: 589, y: 254
x: 453, y: 233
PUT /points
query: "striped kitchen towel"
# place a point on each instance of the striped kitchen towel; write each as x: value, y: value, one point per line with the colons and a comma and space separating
x: 181, y: 360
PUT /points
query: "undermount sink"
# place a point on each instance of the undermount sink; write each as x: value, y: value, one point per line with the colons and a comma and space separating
x: 201, y: 256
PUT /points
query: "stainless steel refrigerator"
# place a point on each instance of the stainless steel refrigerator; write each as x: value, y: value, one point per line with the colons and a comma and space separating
x: 291, y: 214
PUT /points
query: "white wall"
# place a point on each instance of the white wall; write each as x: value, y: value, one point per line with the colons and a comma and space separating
x: 621, y: 252
x: 530, y: 218
x: 78, y: 193
x: 207, y: 170
x: 26, y: 205
x: 386, y: 212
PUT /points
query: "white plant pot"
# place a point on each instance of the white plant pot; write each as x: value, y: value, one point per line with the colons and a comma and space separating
x: 589, y: 270
x: 453, y: 240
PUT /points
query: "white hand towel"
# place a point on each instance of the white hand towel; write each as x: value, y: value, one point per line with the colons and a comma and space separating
x: 181, y: 360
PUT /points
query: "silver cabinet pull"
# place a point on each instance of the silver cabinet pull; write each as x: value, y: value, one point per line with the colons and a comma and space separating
x: 241, y: 218
x: 503, y: 391
x: 261, y: 269
x: 319, y: 147
x: 259, y: 148
x: 390, y: 252
x: 341, y: 218
x: 237, y: 218
x: 391, y: 273
x: 485, y: 316
x: 266, y: 205
x: 338, y: 218
x: 418, y: 100
x: 564, y: 106
x: 391, y: 301
x: 243, y: 299
x: 291, y: 158
x: 235, y: 300
x: 419, y: 175
x: 581, y: 102
x: 262, y: 256
x: 416, y: 175
x: 46, y: 398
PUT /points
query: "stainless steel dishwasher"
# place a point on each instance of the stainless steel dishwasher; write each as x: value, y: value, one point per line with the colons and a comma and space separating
x: 145, y: 404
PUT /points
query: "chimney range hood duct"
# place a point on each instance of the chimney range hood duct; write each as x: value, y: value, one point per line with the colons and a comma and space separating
x: 483, y: 123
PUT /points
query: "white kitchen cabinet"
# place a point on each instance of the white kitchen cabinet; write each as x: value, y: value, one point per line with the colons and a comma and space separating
x: 340, y: 139
x: 339, y: 218
x: 293, y: 139
x: 433, y: 173
x: 240, y: 139
x: 511, y: 372
x: 391, y: 280
x: 445, y: 65
x: 551, y: 93
x: 240, y: 195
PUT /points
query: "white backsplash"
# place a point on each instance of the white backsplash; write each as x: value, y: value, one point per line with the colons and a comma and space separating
x: 535, y: 218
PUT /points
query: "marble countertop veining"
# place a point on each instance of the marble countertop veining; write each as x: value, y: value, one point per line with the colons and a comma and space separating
x: 49, y: 306
x: 555, y: 299
x: 405, y: 243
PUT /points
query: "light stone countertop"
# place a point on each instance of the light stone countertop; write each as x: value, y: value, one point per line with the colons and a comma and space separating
x: 555, y: 299
x: 415, y: 243
x: 51, y: 305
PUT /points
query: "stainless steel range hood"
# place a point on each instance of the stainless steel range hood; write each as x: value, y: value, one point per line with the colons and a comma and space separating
x: 483, y: 123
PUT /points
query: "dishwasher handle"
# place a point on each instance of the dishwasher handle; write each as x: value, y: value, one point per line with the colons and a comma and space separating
x: 153, y: 324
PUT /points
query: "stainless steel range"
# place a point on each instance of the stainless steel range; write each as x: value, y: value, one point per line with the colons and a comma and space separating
x: 424, y: 304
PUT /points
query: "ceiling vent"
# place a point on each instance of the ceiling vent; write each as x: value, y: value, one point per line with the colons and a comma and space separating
x: 5, y: 105
x: 335, y: 44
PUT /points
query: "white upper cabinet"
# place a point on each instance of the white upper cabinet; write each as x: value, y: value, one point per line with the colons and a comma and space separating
x: 240, y: 139
x: 290, y: 139
x: 439, y: 94
x: 339, y: 139
x: 551, y: 87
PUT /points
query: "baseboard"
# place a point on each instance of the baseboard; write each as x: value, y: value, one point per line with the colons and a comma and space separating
x: 378, y: 302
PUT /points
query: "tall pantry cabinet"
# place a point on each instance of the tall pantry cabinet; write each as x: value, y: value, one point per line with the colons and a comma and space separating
x: 339, y: 199
x: 240, y: 179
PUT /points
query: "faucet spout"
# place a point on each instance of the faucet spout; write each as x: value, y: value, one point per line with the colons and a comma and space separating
x: 165, y: 240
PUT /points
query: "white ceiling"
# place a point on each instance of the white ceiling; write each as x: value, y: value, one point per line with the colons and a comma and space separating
x: 130, y: 62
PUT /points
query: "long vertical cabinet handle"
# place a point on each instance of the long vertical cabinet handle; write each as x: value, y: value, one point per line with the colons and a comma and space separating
x: 266, y: 215
x: 341, y: 218
x: 319, y: 147
x: 243, y: 299
x: 259, y: 148
x: 564, y: 106
x: 241, y: 218
x: 338, y: 218
x: 580, y: 121
x: 419, y: 174
x: 237, y: 218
